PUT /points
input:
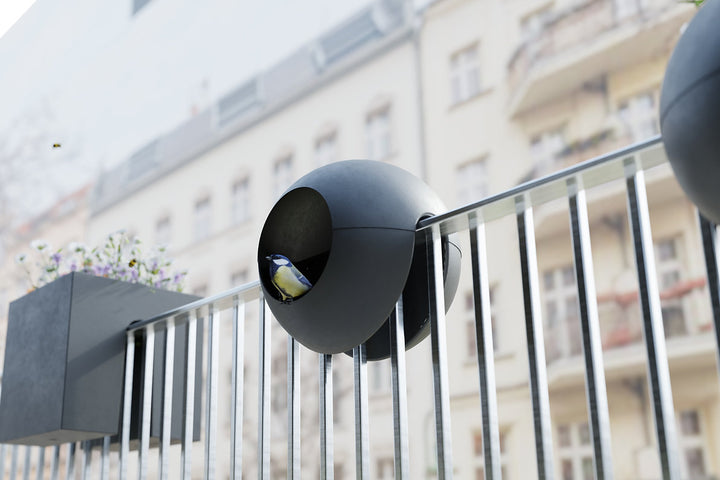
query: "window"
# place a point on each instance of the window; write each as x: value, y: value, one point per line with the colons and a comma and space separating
x: 385, y: 468
x: 163, y: 231
x: 471, y: 337
x: 326, y: 150
x: 669, y: 270
x: 464, y: 74
x: 282, y: 175
x: 575, y: 451
x: 692, y: 445
x: 472, y: 182
x: 479, y: 455
x: 546, y: 147
x: 240, y: 199
x: 561, y: 315
x: 639, y: 116
x: 203, y: 218
x: 377, y: 132
x: 238, y: 277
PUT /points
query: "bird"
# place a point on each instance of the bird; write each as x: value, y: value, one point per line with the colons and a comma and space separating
x: 288, y: 280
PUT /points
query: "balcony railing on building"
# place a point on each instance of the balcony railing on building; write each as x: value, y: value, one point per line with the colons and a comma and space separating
x: 252, y: 420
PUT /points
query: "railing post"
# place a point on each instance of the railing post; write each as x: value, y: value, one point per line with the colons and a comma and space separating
x: 326, y: 417
x: 189, y: 392
x: 535, y: 342
x: 485, y: 352
x: 264, y: 392
x: 590, y: 327
x: 146, y: 395
x: 238, y: 379
x: 399, y: 392
x: 362, y: 435
x: 211, y: 400
x: 708, y: 231
x: 293, y: 402
x: 127, y: 405
x: 438, y: 338
x: 169, y: 364
x: 658, y: 370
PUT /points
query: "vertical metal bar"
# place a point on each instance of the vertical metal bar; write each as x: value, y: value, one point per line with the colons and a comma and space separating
x: 326, y: 417
x: 86, y: 460
x: 169, y: 371
x: 14, y: 461
x: 485, y: 354
x: 40, y: 464
x: 212, y: 393
x: 658, y: 370
x: 264, y: 392
x: 26, y: 464
x: 238, y: 374
x: 189, y: 414
x: 293, y: 401
x: 146, y: 401
x: 438, y: 336
x: 70, y: 462
x: 362, y: 432
x: 535, y: 343
x: 590, y: 327
x: 55, y: 463
x: 127, y: 405
x: 399, y: 391
x: 710, y: 245
x: 105, y: 459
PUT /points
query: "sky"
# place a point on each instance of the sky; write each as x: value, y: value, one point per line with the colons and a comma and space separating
x: 103, y: 82
x: 10, y: 12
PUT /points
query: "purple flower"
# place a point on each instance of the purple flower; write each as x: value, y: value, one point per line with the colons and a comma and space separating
x: 134, y: 275
x: 56, y: 257
x: 73, y: 266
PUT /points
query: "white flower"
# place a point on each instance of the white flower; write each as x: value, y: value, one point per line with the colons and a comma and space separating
x: 77, y: 247
x: 20, y: 258
x: 39, y: 245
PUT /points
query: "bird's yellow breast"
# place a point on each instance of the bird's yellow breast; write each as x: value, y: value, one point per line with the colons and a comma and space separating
x: 286, y: 280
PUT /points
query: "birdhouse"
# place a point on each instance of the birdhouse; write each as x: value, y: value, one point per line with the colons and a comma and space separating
x: 350, y: 229
x: 690, y: 110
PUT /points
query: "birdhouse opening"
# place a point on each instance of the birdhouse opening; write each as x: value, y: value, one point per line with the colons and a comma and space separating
x: 298, y: 227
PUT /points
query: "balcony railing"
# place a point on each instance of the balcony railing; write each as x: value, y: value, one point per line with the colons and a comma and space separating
x: 242, y: 310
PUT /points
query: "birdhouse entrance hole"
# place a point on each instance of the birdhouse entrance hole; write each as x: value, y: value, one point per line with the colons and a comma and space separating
x: 300, y: 228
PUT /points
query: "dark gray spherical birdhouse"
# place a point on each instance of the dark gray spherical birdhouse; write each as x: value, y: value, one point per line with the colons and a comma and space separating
x: 690, y: 110
x: 349, y: 228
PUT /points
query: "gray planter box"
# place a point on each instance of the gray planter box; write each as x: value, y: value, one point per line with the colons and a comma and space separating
x: 65, y: 359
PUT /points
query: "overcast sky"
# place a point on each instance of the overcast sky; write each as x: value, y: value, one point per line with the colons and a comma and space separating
x: 112, y: 81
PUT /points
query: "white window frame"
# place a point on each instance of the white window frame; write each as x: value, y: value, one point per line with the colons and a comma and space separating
x: 282, y: 174
x: 472, y: 181
x: 326, y: 149
x: 669, y: 273
x: 560, y: 313
x: 240, y: 201
x: 465, y: 80
x: 378, y: 133
x: 576, y: 452
x: 545, y: 147
x: 202, y: 218
x: 163, y: 230
x: 639, y: 115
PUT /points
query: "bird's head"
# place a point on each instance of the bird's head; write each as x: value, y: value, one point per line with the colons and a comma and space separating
x: 278, y: 260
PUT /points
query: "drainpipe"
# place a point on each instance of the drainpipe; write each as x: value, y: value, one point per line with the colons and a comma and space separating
x: 416, y: 21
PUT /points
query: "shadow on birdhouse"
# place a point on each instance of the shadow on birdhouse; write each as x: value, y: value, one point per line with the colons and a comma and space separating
x: 350, y: 229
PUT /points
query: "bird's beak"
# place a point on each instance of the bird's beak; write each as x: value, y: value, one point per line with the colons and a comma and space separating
x: 268, y: 258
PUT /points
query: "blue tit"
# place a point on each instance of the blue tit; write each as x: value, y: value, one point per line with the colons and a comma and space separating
x: 289, y: 281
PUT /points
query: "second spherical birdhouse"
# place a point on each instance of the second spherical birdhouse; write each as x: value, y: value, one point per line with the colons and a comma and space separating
x: 350, y: 229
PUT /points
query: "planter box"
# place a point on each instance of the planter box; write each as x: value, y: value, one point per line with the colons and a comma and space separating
x: 65, y: 359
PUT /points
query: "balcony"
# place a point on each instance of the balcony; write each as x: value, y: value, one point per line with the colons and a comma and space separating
x: 584, y: 43
x: 241, y: 385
